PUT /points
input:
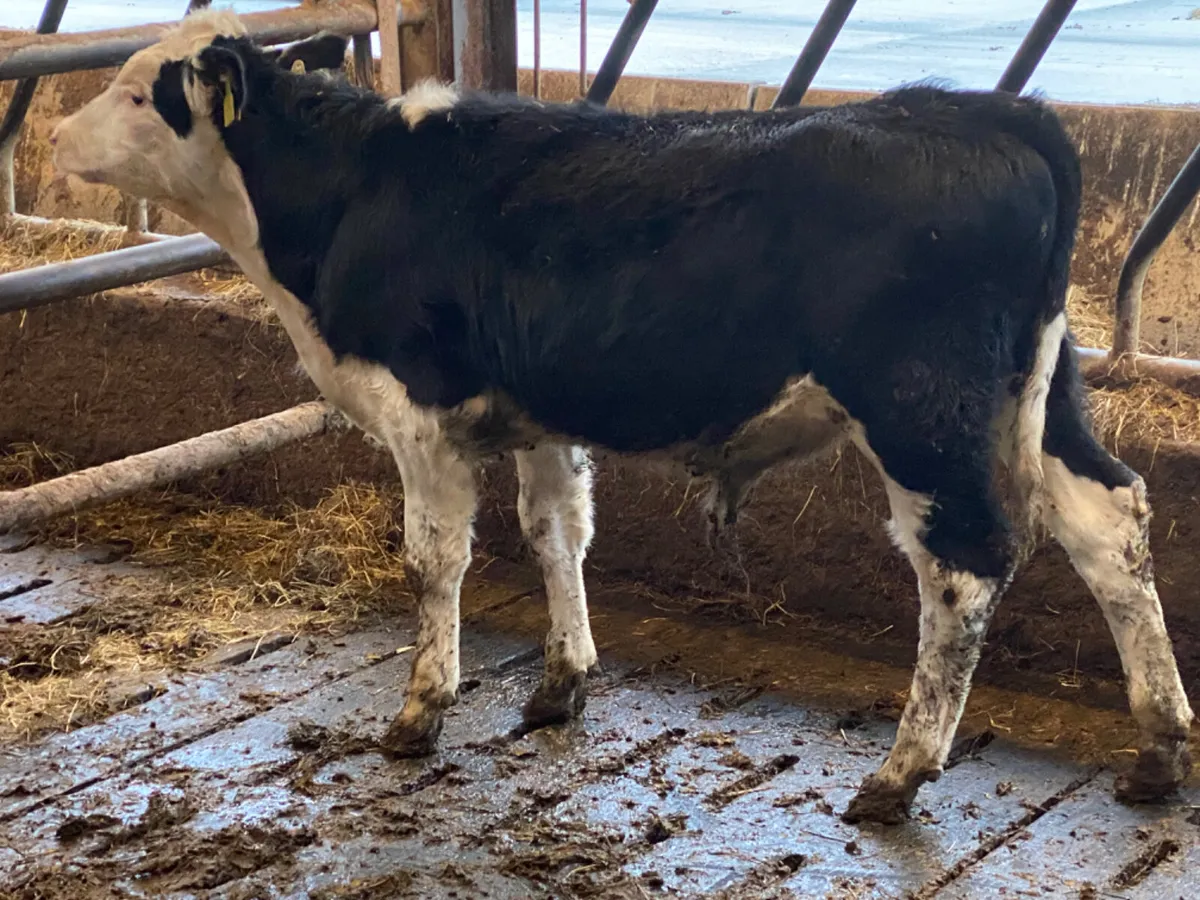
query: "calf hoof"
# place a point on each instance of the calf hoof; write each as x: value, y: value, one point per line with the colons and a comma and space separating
x: 883, y: 801
x: 414, y: 733
x: 1158, y: 773
x: 558, y: 699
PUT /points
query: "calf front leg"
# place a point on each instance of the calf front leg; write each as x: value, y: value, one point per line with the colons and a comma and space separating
x: 555, y: 508
x: 439, y: 508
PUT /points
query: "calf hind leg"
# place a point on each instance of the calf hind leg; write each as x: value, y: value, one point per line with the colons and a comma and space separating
x: 439, y: 507
x: 1096, y: 508
x: 555, y: 508
x: 960, y: 549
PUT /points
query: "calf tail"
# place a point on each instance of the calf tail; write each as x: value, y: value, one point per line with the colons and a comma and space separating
x: 1035, y: 124
x: 1029, y: 430
x: 1038, y: 126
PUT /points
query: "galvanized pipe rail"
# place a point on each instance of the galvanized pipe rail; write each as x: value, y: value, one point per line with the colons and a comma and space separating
x: 1045, y: 29
x: 30, y: 55
x: 1159, y: 225
x: 620, y: 50
x: 30, y: 288
x: 816, y: 48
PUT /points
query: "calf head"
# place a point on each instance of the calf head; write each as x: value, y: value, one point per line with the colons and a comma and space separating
x: 156, y: 131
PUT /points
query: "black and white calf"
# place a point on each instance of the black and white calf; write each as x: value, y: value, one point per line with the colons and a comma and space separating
x: 471, y: 274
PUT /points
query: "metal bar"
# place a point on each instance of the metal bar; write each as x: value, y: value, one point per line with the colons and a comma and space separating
x: 40, y: 285
x: 815, y: 50
x: 537, y: 49
x: 583, y: 85
x: 485, y: 44
x: 21, y: 508
x: 29, y: 55
x: 88, y: 229
x: 1162, y: 219
x: 620, y: 50
x: 364, y: 62
x: 1033, y: 48
x: 137, y: 215
x: 10, y: 128
x: 1099, y: 367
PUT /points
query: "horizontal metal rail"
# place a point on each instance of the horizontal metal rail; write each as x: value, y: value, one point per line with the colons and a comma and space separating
x: 1041, y: 35
x: 1100, y: 366
x: 620, y: 50
x: 1159, y: 224
x: 88, y: 229
x: 40, y: 285
x: 816, y: 48
x: 31, y: 55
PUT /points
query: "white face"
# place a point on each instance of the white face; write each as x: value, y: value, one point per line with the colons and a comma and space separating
x: 121, y: 139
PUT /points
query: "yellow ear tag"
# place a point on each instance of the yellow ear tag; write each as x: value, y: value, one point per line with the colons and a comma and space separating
x: 298, y: 67
x: 228, y: 105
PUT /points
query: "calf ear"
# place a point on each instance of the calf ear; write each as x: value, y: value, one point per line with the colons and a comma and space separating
x: 195, y: 5
x: 321, y: 51
x: 222, y: 68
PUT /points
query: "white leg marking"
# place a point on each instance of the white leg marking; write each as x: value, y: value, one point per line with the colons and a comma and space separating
x: 439, y: 508
x: 955, y: 610
x: 555, y: 508
x: 1105, y: 533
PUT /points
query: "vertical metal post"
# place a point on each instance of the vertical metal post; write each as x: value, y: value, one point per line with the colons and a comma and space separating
x: 364, y: 62
x: 823, y: 35
x: 485, y: 44
x: 10, y: 128
x: 1162, y: 219
x: 537, y: 49
x: 620, y: 50
x: 1033, y: 48
x: 137, y: 215
x: 582, y: 48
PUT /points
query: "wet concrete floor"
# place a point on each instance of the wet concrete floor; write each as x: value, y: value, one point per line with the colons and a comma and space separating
x: 256, y: 775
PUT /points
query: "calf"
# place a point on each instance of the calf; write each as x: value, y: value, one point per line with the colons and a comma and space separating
x: 466, y: 274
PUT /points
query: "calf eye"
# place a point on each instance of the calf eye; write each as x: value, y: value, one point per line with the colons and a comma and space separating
x: 137, y: 100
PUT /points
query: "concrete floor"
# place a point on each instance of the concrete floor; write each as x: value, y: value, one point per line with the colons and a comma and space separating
x: 257, y: 775
x: 1110, y: 51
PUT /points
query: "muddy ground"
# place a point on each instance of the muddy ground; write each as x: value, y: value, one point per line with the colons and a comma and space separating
x: 712, y: 761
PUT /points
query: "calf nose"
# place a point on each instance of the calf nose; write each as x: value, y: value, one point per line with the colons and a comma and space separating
x: 54, y: 136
